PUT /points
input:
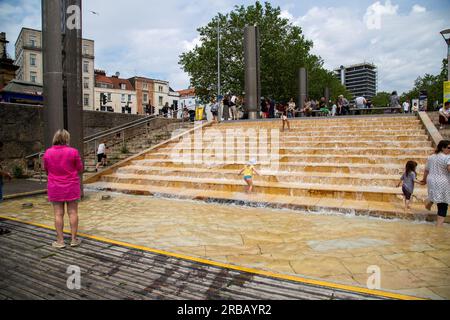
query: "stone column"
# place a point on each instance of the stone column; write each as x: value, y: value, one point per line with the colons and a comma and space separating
x: 326, y: 94
x: 73, y: 77
x: 252, y: 72
x: 73, y: 74
x: 303, y: 87
x: 52, y: 67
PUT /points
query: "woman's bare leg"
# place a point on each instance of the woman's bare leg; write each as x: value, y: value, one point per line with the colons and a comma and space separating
x: 58, y: 209
x: 72, y: 209
x: 440, y: 221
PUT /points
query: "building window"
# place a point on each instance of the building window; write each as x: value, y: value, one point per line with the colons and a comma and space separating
x: 160, y: 102
x: 123, y: 86
x: 145, y: 100
x: 33, y: 60
x: 33, y: 42
x: 86, y: 67
x: 109, y: 97
x: 85, y: 49
x: 33, y: 77
x: 145, y: 86
x: 86, y: 83
x: 129, y: 98
x: 123, y: 98
x: 86, y: 100
x: 160, y: 88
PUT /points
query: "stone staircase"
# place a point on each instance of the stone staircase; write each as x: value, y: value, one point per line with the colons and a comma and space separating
x: 348, y: 165
x: 134, y: 145
x: 119, y: 151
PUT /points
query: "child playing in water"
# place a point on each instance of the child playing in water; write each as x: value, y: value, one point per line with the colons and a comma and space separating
x: 248, y: 173
x: 407, y: 182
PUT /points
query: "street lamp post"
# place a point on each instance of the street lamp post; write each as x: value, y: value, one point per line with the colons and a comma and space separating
x: 218, y: 59
x: 446, y: 35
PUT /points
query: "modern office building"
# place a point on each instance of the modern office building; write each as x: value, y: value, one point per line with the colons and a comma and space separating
x: 360, y: 79
x: 29, y: 60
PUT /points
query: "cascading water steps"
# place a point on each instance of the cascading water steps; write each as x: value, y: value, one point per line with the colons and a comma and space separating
x: 343, y: 164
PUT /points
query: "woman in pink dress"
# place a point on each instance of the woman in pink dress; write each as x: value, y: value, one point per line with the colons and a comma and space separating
x: 63, y: 165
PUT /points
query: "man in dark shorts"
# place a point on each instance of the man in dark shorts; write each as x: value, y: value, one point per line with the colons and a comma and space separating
x: 101, y: 156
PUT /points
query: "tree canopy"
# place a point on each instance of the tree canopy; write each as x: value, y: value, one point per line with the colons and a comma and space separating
x: 284, y: 50
x: 432, y: 84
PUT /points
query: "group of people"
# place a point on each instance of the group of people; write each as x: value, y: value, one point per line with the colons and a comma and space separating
x: 436, y: 177
x: 322, y: 107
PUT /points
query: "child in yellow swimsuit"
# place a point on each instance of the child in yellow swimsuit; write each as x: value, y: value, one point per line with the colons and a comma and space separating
x: 248, y: 173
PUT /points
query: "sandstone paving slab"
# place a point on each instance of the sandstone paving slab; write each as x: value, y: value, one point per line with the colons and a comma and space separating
x: 345, y: 279
x: 394, y: 280
x: 432, y: 276
x: 309, y: 266
x: 261, y: 262
x: 257, y: 238
x: 442, y: 255
x: 199, y: 251
x: 349, y: 244
x: 443, y: 291
x: 414, y: 260
x: 232, y: 250
x: 359, y: 265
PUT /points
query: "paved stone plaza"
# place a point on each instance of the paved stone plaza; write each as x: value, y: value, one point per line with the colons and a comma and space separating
x: 414, y: 257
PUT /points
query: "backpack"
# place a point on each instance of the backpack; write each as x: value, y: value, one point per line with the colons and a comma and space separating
x: 215, y: 107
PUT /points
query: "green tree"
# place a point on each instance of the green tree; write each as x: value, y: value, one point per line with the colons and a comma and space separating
x: 381, y: 99
x: 432, y: 84
x: 283, y: 51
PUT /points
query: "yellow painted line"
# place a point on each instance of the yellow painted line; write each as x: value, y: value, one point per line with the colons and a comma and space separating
x: 269, y: 274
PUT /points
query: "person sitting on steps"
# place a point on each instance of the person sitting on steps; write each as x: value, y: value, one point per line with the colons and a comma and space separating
x: 444, y: 115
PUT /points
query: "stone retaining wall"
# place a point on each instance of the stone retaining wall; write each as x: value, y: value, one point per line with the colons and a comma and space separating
x: 22, y: 129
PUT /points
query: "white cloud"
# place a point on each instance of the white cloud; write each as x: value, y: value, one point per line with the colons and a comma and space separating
x: 375, y: 12
x: 190, y: 45
x: 285, y: 14
x: 418, y: 9
x: 402, y: 47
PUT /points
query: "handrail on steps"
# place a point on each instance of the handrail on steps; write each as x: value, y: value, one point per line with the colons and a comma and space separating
x: 97, y: 136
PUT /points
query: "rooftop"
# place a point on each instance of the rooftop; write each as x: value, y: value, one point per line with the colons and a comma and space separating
x: 116, y: 82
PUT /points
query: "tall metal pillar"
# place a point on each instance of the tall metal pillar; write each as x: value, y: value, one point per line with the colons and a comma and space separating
x: 72, y: 66
x: 326, y: 94
x: 303, y: 87
x: 62, y: 58
x: 252, y: 72
x: 52, y: 66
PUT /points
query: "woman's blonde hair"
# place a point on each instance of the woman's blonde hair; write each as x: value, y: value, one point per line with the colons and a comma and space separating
x: 61, y: 138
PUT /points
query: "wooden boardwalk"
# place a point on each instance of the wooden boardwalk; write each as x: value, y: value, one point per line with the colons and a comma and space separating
x: 30, y: 269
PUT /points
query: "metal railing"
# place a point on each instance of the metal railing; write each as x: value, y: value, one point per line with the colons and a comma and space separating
x: 40, y: 155
x: 123, y: 132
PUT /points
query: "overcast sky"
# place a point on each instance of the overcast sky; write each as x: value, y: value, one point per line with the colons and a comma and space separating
x: 145, y: 38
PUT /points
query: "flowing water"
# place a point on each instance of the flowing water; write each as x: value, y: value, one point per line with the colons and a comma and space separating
x: 352, y: 164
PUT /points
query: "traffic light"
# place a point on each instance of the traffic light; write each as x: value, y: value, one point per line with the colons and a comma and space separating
x: 103, y: 99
